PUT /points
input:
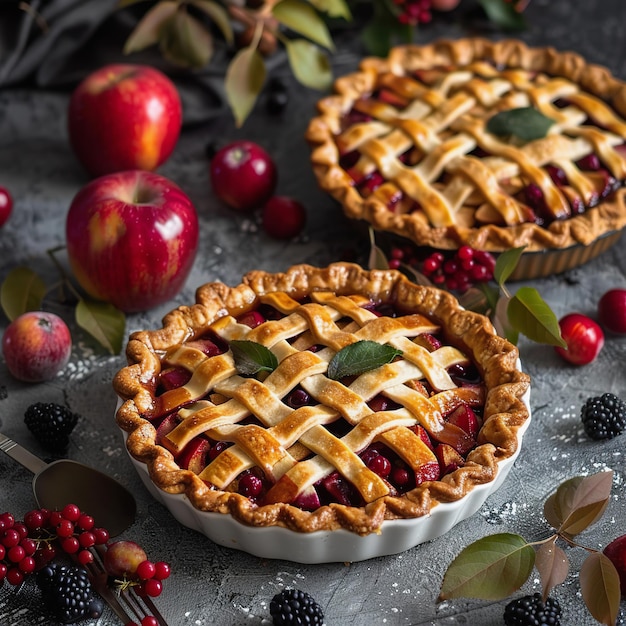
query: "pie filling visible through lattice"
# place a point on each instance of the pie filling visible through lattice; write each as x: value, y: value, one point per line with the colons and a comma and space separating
x: 321, y: 398
x: 410, y: 144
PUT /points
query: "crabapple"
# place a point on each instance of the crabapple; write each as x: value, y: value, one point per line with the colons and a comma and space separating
x: 583, y: 336
x: 612, y: 310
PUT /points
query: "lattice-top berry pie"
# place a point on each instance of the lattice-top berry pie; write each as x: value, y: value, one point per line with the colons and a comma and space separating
x: 495, y: 145
x: 321, y: 399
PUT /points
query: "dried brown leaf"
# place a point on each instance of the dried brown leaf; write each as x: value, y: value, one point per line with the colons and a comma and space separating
x: 552, y: 564
x: 600, y: 586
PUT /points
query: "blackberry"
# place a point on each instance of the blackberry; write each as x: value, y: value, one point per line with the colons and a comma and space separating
x: 604, y: 417
x: 532, y: 611
x: 51, y: 424
x: 67, y: 593
x: 292, y: 607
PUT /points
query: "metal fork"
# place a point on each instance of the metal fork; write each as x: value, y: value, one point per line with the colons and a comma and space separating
x: 127, y: 604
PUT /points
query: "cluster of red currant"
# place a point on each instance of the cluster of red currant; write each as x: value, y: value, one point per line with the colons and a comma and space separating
x: 457, y: 270
x: 27, y: 546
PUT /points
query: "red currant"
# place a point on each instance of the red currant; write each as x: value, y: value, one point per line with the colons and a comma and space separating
x: 10, y: 538
x: 71, y: 512
x: 153, y: 587
x: 16, y: 554
x: 283, y: 217
x: 14, y: 576
x: 101, y: 535
x: 149, y: 620
x: 34, y: 520
x: 146, y: 570
x: 84, y: 557
x: 161, y: 570
x: 27, y: 565
x: 85, y: 522
x: 65, y: 528
x: 86, y: 539
x: 70, y: 545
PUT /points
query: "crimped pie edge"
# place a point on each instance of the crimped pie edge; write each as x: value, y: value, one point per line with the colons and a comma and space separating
x: 505, y: 411
x: 583, y: 229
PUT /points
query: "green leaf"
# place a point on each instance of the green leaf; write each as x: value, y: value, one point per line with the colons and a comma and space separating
x: 219, y: 15
x: 333, y: 8
x: 103, y: 322
x: 578, y: 502
x: 525, y: 123
x: 149, y: 29
x: 251, y: 357
x: 530, y: 315
x: 309, y: 64
x: 552, y: 564
x: 22, y: 290
x: 600, y: 587
x: 506, y: 264
x: 491, y: 568
x: 360, y: 357
x: 501, y: 321
x: 244, y: 80
x: 377, y: 259
x: 376, y: 36
x: 302, y: 18
x: 503, y: 14
x: 185, y: 42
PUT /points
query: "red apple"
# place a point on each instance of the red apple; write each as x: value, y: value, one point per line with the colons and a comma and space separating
x: 584, y: 339
x: 243, y: 175
x: 612, y: 310
x: 36, y: 346
x: 6, y: 205
x: 283, y: 217
x: 132, y: 239
x: 124, y: 117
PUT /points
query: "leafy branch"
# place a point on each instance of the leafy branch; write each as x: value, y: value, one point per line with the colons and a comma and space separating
x: 185, y: 30
x: 496, y: 566
x: 24, y: 290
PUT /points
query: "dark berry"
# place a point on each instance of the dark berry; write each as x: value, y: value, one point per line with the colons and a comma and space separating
x: 277, y: 96
x: 292, y: 607
x: 67, y: 593
x: 532, y: 611
x: 51, y: 424
x: 604, y: 417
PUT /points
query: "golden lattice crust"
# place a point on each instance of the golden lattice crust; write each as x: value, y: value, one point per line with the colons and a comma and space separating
x: 471, y: 333
x: 477, y: 204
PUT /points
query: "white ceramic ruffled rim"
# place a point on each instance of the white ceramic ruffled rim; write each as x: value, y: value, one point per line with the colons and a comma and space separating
x: 334, y: 546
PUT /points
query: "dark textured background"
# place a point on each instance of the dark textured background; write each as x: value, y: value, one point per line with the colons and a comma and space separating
x: 215, y: 585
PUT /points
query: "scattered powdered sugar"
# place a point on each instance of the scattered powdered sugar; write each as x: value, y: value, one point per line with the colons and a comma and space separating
x: 499, y: 515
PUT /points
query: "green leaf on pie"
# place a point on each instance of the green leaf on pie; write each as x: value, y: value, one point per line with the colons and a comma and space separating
x: 377, y: 258
x: 578, y: 502
x: 302, y: 18
x: 244, y: 80
x: 506, y: 264
x: 251, y: 357
x: 359, y: 357
x: 104, y: 322
x: 525, y: 123
x: 309, y: 64
x: 504, y: 14
x: 530, y: 315
x: 22, y: 291
x: 600, y: 587
x: 150, y: 28
x: 185, y: 41
x: 219, y: 15
x: 491, y: 568
x: 552, y: 564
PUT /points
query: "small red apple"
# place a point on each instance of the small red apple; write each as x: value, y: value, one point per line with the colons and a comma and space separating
x: 6, y: 205
x: 612, y: 310
x: 124, y: 117
x: 36, y: 346
x: 283, y: 217
x: 584, y: 339
x: 243, y: 175
x: 122, y: 558
x: 132, y: 239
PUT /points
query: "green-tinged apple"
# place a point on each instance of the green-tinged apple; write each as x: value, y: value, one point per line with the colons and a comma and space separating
x: 132, y: 239
x: 124, y: 117
x: 36, y: 346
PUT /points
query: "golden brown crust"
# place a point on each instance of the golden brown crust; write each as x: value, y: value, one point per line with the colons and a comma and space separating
x: 608, y: 216
x: 505, y: 411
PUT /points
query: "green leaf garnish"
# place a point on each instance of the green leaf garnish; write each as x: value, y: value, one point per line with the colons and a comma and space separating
x: 491, y: 568
x: 245, y: 76
x: 309, y: 64
x: 552, y: 564
x: 360, y: 357
x: 302, y: 18
x: 504, y: 14
x: 530, y: 315
x: 104, y: 322
x: 525, y: 123
x: 251, y: 357
x: 22, y: 291
x: 506, y: 263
